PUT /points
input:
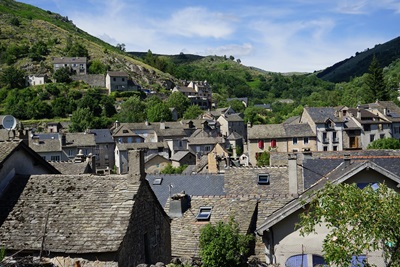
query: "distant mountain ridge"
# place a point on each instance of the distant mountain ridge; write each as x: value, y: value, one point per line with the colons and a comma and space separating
x: 357, y: 65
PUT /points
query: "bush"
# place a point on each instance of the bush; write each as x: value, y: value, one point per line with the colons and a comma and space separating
x: 223, y: 245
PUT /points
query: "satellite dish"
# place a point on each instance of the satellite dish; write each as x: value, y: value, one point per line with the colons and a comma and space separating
x: 8, y: 122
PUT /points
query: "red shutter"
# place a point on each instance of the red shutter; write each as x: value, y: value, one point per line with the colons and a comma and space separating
x: 273, y: 143
x: 260, y: 144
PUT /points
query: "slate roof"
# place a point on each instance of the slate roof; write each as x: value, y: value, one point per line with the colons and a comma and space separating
x: 234, y: 136
x: 71, y: 168
x: 235, y: 117
x: 193, y: 185
x: 185, y: 231
x: 86, y: 214
x: 102, y: 136
x: 393, y: 111
x: 80, y: 140
x: 6, y: 148
x: 148, y: 145
x: 180, y: 155
x: 47, y: 145
x: 321, y: 114
x: 69, y: 60
x: 117, y: 74
x: 266, y: 131
x: 298, y: 130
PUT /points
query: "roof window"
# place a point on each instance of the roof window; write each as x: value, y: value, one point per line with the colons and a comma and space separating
x: 157, y: 181
x: 204, y: 214
x: 263, y: 178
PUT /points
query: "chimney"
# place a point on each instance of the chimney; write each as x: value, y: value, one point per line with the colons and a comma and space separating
x: 358, y: 113
x: 292, y: 169
x: 162, y: 125
x: 346, y: 160
x: 63, y: 139
x: 179, y: 203
x: 136, y: 165
x: 91, y: 159
x: 385, y: 111
x: 117, y: 124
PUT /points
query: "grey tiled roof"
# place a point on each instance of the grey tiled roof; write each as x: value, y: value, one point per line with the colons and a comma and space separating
x: 71, y: 168
x: 321, y: 114
x: 179, y: 155
x: 266, y: 131
x: 148, y: 145
x: 185, y: 231
x: 86, y: 214
x: 234, y: 136
x: 298, y: 130
x: 117, y: 74
x: 193, y: 185
x: 102, y: 136
x: 47, y: 145
x: 80, y: 140
x: 69, y: 60
x: 6, y: 148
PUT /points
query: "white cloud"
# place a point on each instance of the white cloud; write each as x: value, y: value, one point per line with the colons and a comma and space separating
x: 197, y: 22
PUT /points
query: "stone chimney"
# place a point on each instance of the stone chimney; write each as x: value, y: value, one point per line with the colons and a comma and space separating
x: 136, y: 169
x: 358, y: 113
x: 117, y: 124
x: 179, y: 203
x: 63, y: 138
x: 292, y: 171
x: 91, y: 159
x: 346, y: 160
x: 162, y: 125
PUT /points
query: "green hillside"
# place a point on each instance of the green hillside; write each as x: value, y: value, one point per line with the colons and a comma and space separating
x: 357, y: 65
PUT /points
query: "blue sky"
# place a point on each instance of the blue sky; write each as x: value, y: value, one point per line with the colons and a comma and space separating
x: 274, y: 35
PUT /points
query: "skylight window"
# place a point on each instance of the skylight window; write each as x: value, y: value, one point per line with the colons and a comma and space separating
x: 157, y: 181
x: 263, y: 178
x: 204, y: 214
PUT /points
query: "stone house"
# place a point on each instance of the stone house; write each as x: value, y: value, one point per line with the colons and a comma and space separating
x: 150, y: 149
x: 155, y: 163
x: 326, y: 126
x: 77, y: 65
x: 183, y: 158
x: 232, y: 123
x: 282, y: 243
x: 285, y: 137
x: 389, y: 111
x: 116, y: 81
x: 18, y: 160
x: 89, y: 220
x: 104, y: 151
x: 198, y: 92
x: 36, y: 79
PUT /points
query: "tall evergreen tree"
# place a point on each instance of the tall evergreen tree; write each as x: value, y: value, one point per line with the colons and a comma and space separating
x: 375, y: 82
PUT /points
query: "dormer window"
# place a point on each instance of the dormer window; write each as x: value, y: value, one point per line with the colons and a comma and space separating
x: 204, y: 214
x: 263, y: 178
x: 158, y: 181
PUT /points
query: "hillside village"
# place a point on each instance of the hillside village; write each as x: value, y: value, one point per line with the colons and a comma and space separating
x: 89, y: 188
x: 140, y: 193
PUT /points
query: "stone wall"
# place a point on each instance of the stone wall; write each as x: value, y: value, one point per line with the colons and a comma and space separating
x: 94, y: 80
x: 148, y: 241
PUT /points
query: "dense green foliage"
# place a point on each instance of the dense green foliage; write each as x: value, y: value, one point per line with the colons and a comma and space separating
x: 359, y: 220
x: 12, y: 77
x: 173, y: 170
x: 178, y: 101
x: 263, y: 159
x: 192, y: 112
x: 385, y: 143
x: 222, y: 245
x: 375, y: 82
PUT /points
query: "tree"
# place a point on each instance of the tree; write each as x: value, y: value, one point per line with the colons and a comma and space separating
x: 385, y: 143
x: 121, y: 47
x: 192, y: 112
x: 178, y: 101
x: 81, y: 120
x: 132, y: 110
x: 77, y: 50
x: 96, y: 67
x: 62, y: 75
x: 377, y: 89
x: 173, y: 170
x: 159, y: 112
x: 223, y: 245
x: 263, y: 159
x: 359, y: 220
x: 13, y: 78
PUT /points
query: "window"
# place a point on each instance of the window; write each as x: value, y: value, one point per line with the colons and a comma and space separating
x: 70, y: 153
x: 367, y: 127
x: 204, y: 214
x: 114, y: 79
x: 382, y: 136
x: 325, y: 138
x: 396, y: 130
x: 157, y: 181
x: 334, y: 148
x: 55, y: 158
x: 325, y: 148
x: 207, y: 148
x: 371, y: 137
x: 294, y: 140
x: 334, y: 137
x: 263, y: 178
x: 130, y: 140
x: 302, y: 261
x: 44, y: 157
x: 260, y: 144
x: 374, y: 186
x: 305, y: 140
x: 273, y: 143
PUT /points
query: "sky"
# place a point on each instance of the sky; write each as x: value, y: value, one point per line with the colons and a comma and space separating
x: 273, y: 35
